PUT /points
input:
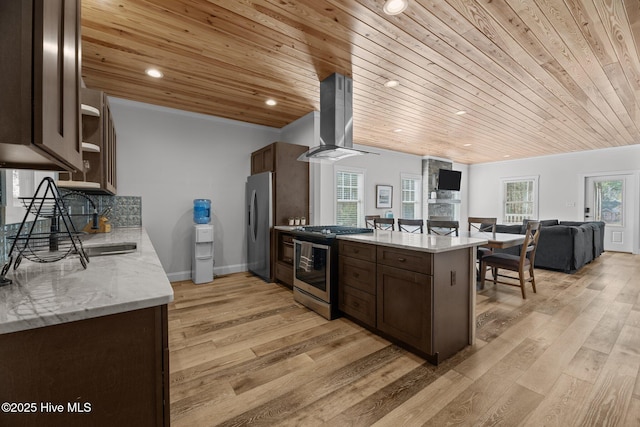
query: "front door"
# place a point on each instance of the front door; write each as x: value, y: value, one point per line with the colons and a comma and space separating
x: 608, y: 199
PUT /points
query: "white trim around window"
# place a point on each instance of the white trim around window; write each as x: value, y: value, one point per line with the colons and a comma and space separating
x: 359, y: 199
x: 519, y: 198
x: 410, y: 196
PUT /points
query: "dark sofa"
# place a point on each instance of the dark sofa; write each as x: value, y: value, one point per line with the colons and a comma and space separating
x: 563, y: 245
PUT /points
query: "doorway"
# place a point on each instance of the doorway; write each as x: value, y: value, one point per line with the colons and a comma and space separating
x: 609, y: 198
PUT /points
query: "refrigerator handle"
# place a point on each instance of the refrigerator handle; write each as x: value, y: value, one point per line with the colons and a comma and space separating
x: 253, y: 226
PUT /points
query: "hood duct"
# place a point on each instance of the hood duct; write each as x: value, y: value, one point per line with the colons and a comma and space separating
x: 336, y: 121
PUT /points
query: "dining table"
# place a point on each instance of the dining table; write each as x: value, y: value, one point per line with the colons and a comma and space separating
x: 496, y: 240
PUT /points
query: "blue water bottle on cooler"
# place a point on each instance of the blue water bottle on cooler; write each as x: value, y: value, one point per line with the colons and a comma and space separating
x: 202, y: 211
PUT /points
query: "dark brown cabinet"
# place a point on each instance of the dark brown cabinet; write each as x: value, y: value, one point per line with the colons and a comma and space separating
x: 284, y: 257
x: 357, y: 281
x: 420, y: 299
x: 115, y: 364
x: 405, y: 306
x: 262, y: 160
x: 98, y: 147
x: 40, y: 68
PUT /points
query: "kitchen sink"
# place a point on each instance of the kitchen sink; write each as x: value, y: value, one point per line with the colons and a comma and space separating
x: 110, y: 249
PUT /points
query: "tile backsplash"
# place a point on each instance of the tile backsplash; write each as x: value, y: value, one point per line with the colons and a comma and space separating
x: 122, y: 211
x: 126, y: 211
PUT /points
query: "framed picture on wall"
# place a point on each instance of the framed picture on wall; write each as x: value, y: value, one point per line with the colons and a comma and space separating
x: 384, y: 196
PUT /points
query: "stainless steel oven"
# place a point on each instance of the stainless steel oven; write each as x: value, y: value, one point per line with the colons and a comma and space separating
x: 315, y: 267
x: 312, y: 274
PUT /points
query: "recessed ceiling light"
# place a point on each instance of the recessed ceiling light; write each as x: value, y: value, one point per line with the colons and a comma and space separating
x: 461, y: 112
x: 394, y: 7
x: 507, y: 155
x: 271, y: 102
x: 467, y: 145
x: 392, y: 83
x: 154, y: 72
x: 397, y: 130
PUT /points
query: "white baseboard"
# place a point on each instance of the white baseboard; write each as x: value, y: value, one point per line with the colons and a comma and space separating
x: 178, y: 276
x: 217, y: 271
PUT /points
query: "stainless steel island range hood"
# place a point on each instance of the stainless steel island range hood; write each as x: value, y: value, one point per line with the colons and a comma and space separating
x: 336, y: 121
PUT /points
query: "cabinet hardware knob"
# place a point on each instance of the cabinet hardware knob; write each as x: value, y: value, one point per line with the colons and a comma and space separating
x: 402, y: 259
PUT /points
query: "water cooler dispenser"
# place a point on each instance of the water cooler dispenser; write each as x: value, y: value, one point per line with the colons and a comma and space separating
x: 202, y: 262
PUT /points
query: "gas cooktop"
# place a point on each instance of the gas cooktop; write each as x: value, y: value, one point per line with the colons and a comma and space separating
x: 329, y: 231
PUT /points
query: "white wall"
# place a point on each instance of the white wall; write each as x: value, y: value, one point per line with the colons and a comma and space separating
x: 561, y: 181
x: 170, y: 157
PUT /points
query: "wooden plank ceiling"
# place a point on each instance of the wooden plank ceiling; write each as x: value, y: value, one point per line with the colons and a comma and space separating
x: 535, y: 77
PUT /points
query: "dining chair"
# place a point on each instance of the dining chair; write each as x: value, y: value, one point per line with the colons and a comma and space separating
x: 384, y: 223
x: 443, y: 228
x: 485, y: 224
x: 440, y: 218
x: 368, y: 221
x: 411, y: 225
x: 477, y: 223
x: 521, y: 264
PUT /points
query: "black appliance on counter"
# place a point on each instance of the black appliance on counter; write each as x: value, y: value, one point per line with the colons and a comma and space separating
x: 315, y: 266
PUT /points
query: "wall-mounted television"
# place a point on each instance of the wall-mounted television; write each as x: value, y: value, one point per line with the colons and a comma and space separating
x: 449, y: 179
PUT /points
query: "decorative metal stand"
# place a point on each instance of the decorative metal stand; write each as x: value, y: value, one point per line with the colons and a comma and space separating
x: 62, y: 239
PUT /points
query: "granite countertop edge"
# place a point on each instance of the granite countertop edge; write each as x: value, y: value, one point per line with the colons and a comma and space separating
x: 415, y: 241
x: 47, y: 294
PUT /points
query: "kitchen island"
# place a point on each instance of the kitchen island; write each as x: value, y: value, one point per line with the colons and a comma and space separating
x: 417, y: 290
x: 87, y: 347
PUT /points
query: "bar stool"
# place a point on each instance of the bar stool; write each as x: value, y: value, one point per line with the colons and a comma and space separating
x: 384, y: 223
x: 368, y: 221
x: 443, y: 228
x: 410, y: 225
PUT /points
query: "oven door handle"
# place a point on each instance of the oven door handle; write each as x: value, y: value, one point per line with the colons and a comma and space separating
x: 315, y: 245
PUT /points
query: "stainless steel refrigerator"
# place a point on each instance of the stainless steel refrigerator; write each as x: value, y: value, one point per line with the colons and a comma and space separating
x: 259, y: 223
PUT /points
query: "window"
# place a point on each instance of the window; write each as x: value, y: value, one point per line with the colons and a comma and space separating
x: 608, y: 201
x: 14, y: 184
x: 411, y: 189
x: 349, y: 198
x: 519, y: 199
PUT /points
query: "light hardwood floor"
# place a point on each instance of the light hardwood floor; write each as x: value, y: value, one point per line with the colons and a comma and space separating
x: 243, y: 352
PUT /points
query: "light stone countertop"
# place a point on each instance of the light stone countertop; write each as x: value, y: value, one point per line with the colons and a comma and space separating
x: 52, y: 293
x: 414, y: 241
x: 286, y: 227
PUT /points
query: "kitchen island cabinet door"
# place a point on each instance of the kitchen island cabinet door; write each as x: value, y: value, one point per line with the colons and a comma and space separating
x: 404, y: 311
x: 40, y: 103
x: 357, y: 284
x: 358, y: 305
x: 451, y: 301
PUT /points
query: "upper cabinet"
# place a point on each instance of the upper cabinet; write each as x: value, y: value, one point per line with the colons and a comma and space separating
x: 40, y: 68
x: 263, y: 160
x: 98, y: 173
